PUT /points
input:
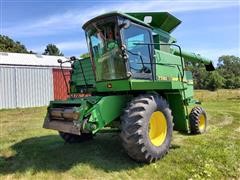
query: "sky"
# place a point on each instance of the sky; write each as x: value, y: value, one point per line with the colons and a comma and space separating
x: 210, y: 28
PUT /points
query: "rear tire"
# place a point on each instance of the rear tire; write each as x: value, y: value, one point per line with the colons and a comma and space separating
x: 198, y: 120
x: 147, y: 128
x: 73, y: 138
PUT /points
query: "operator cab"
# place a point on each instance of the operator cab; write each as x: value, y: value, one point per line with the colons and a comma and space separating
x: 120, y: 47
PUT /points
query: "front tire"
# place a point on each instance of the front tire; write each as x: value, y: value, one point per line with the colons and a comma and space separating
x: 73, y: 138
x: 147, y: 128
x: 198, y: 120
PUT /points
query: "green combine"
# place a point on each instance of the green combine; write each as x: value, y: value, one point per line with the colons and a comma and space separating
x: 134, y: 83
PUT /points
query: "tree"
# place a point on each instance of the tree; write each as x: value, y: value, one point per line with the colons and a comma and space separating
x: 85, y: 55
x: 199, y: 74
x: 229, y: 68
x: 9, y: 45
x: 32, y: 52
x: 214, y: 81
x: 226, y: 75
x: 52, y: 49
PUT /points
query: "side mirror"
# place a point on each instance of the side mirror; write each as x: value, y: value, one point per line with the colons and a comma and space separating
x: 209, y: 67
x: 59, y: 61
x: 73, y: 58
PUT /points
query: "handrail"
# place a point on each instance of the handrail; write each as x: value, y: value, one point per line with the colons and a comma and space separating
x: 72, y: 59
x: 169, y: 44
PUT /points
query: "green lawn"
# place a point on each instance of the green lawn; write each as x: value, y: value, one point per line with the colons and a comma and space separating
x: 29, y: 151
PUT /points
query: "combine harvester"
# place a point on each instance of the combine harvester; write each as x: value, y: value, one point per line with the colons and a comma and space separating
x: 137, y: 83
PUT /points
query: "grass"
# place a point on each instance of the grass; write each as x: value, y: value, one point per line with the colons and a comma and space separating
x: 27, y: 151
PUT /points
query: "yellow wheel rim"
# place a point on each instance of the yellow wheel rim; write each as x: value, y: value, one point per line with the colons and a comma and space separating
x: 202, y: 122
x: 157, y: 128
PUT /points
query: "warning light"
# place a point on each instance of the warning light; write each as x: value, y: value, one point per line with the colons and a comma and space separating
x: 109, y: 85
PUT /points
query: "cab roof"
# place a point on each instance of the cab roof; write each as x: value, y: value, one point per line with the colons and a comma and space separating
x: 160, y: 20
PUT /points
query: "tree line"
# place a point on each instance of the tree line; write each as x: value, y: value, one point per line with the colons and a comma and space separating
x: 9, y: 45
x: 226, y: 75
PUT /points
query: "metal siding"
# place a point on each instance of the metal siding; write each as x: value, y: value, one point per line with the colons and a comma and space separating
x: 59, y: 86
x: 7, y: 87
x: 34, y: 86
x: 25, y: 86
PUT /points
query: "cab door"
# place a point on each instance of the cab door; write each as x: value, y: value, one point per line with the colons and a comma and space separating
x: 137, y: 40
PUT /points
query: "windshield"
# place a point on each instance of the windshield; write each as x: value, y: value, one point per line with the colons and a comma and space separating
x: 136, y: 39
x: 104, y: 40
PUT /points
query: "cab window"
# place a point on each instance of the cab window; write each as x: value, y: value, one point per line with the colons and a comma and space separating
x: 136, y: 38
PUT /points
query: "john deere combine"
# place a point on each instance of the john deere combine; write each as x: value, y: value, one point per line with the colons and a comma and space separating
x: 134, y: 82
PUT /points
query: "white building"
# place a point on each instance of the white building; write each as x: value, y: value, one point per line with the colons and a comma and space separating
x: 28, y: 80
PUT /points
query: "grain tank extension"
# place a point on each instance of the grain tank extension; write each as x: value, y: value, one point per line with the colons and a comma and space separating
x: 134, y: 83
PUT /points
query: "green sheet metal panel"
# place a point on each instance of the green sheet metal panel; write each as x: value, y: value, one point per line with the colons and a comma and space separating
x: 111, y: 86
x: 189, y: 81
x: 178, y: 111
x: 137, y: 84
x: 105, y: 111
x: 78, y: 73
x: 162, y: 20
x: 168, y: 66
x: 191, y: 56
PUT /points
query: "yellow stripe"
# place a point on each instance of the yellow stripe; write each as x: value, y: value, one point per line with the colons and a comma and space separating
x: 166, y: 78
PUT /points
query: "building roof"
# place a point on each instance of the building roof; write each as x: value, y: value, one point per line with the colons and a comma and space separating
x: 20, y: 59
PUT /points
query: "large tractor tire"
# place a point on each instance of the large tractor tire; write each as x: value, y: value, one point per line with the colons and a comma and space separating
x: 146, y: 128
x: 198, y: 120
x: 73, y: 138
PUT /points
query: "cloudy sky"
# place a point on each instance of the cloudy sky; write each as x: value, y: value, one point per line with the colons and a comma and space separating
x: 211, y: 28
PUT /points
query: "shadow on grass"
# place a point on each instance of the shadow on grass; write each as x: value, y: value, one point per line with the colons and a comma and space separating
x: 51, y: 153
x: 234, y: 98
